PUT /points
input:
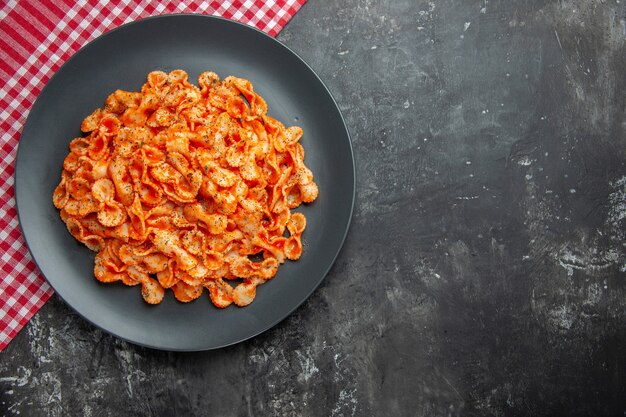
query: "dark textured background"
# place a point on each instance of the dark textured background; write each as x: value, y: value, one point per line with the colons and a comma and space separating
x: 484, y: 272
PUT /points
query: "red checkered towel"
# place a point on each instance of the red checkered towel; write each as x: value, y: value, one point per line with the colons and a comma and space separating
x: 36, y: 38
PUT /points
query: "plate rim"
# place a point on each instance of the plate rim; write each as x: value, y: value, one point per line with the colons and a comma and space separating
x: 241, y: 26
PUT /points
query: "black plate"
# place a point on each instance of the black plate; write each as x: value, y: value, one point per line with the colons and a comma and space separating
x: 121, y: 59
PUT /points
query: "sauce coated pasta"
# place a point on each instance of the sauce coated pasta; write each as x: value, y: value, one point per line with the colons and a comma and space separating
x: 188, y: 188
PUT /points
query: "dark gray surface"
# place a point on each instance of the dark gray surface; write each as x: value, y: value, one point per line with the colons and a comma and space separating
x: 150, y: 44
x: 484, y: 270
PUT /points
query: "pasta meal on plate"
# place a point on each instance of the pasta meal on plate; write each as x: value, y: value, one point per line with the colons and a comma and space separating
x: 188, y: 188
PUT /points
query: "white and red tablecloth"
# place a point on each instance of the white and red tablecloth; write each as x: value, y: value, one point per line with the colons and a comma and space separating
x: 36, y: 38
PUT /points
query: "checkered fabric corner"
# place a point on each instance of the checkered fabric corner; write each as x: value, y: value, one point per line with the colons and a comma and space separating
x: 36, y: 38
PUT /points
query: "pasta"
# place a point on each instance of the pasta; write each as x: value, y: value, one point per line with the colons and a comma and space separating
x: 187, y: 188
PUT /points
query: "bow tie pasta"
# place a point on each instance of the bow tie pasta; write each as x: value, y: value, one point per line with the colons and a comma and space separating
x: 187, y: 188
